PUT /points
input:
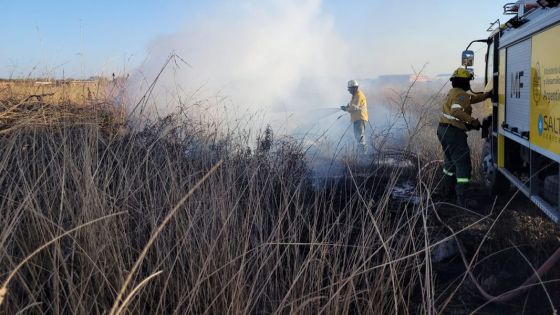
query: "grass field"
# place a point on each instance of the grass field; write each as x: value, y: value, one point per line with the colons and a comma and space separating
x: 174, y: 219
x: 77, y: 92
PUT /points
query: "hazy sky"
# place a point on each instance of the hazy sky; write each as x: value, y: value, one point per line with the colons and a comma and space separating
x: 84, y: 38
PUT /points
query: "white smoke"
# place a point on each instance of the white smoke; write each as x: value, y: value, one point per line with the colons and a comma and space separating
x: 282, y: 60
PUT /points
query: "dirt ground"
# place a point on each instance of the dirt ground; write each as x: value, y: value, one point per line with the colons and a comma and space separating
x: 520, y: 238
x: 511, y: 235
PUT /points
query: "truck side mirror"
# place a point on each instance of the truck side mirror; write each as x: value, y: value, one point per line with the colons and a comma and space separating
x: 467, y: 58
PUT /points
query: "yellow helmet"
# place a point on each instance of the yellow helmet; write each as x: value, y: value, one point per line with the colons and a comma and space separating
x: 462, y: 73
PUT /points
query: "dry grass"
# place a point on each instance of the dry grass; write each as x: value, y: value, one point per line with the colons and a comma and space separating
x: 256, y: 236
x: 25, y: 104
x: 75, y: 92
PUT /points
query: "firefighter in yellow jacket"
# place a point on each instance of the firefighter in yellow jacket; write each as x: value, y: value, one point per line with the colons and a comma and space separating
x: 358, y: 113
x: 454, y: 123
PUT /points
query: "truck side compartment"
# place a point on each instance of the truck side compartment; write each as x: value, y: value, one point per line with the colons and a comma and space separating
x: 524, y: 134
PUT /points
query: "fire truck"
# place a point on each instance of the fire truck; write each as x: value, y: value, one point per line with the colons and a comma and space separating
x: 522, y: 133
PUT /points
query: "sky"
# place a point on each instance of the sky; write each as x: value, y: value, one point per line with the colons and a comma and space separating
x: 78, y: 38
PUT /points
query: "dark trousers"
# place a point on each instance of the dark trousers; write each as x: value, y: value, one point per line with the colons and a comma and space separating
x: 457, y: 156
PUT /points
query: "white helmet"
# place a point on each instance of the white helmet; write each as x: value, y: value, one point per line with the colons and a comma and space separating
x: 352, y: 83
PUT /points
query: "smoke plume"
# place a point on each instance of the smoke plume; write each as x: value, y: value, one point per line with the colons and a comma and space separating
x: 282, y: 61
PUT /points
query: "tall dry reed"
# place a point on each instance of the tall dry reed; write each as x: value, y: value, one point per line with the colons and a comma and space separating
x: 256, y: 237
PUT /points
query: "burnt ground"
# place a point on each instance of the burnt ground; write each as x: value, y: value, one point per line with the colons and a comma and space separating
x: 519, y: 227
x: 512, y: 233
x: 512, y: 237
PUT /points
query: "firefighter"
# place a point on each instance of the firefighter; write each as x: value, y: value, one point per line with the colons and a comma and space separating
x: 358, y: 113
x: 454, y: 123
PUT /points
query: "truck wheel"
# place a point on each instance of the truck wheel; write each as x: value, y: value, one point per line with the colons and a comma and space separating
x: 494, y: 181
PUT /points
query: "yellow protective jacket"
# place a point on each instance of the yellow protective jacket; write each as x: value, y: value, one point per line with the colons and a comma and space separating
x: 358, y: 107
x: 457, y: 108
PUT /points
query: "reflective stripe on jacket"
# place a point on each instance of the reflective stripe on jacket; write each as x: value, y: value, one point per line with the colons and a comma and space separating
x: 358, y: 107
x: 457, y: 108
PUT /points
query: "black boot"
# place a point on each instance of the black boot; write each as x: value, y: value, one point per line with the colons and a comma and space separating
x: 450, y: 182
x: 447, y: 188
x: 461, y: 199
x: 460, y: 190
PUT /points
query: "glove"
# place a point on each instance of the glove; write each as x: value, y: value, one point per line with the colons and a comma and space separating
x: 489, y: 94
x: 343, y: 108
x: 475, y: 124
x: 355, y: 108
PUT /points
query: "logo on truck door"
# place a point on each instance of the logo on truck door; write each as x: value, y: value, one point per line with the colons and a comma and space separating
x: 537, y: 90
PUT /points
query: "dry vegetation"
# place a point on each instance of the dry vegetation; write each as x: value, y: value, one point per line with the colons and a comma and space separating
x: 29, y: 103
x: 76, y: 92
x: 254, y: 236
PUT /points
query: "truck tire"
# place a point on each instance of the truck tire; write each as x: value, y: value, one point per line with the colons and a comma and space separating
x: 494, y: 181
